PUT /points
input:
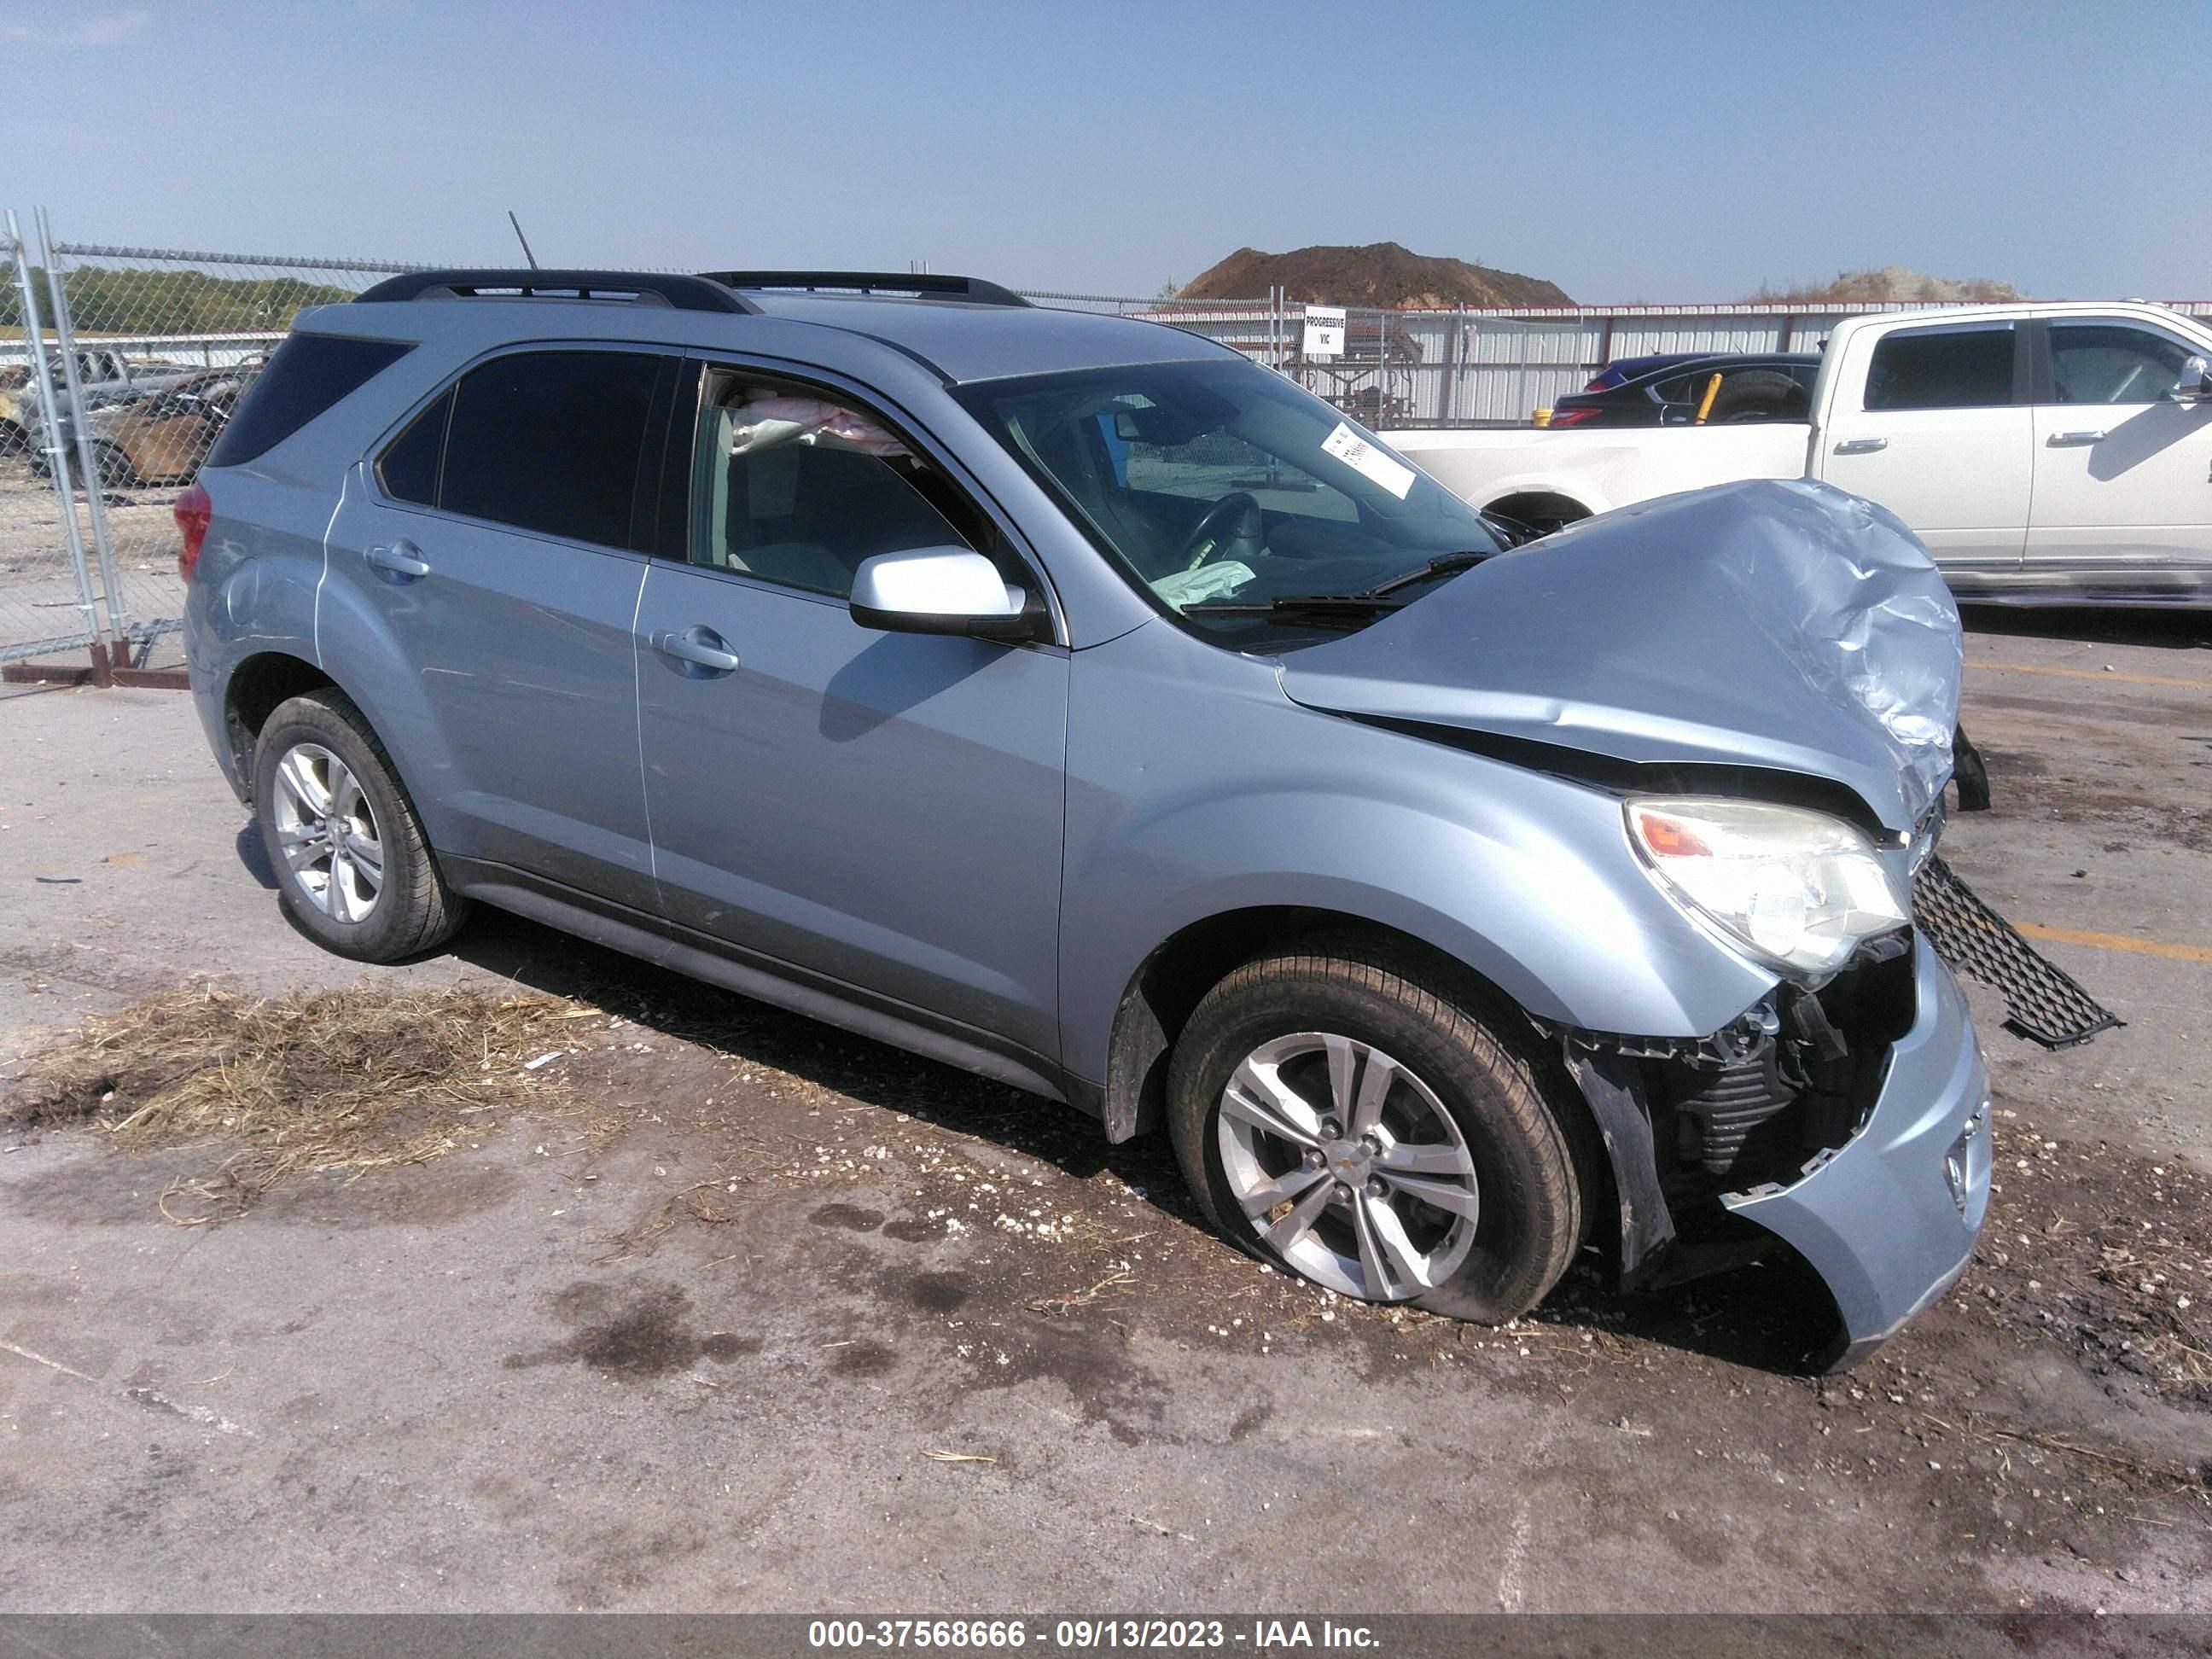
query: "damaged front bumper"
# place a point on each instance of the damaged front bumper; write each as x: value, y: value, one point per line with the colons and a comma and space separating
x: 1891, y: 1182
x: 1888, y: 1220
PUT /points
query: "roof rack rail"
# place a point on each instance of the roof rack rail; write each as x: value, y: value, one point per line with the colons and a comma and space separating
x: 676, y: 292
x: 923, y: 285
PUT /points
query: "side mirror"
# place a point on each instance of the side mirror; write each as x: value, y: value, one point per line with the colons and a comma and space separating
x: 944, y: 589
x: 2196, y: 384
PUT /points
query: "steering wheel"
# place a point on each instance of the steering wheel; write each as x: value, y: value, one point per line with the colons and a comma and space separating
x: 1231, y: 529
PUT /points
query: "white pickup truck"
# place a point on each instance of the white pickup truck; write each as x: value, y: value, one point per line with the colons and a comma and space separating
x: 2043, y: 452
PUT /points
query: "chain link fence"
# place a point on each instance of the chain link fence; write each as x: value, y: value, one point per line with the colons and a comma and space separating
x: 1385, y: 368
x: 145, y: 353
x: 145, y: 350
x: 47, y: 603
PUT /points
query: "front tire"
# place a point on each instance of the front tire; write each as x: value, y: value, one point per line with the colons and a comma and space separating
x: 352, y: 863
x: 1347, y: 1115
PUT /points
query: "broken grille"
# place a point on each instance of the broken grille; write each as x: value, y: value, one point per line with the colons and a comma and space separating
x: 2043, y: 1003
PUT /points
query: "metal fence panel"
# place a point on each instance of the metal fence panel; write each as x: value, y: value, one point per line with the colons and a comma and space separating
x: 47, y: 601
x: 1398, y: 369
x: 164, y: 342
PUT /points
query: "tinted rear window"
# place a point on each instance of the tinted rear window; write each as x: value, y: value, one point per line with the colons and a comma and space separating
x: 1965, y: 368
x: 307, y: 375
x: 552, y: 441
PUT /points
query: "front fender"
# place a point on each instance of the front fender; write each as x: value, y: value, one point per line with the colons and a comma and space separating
x: 1525, y: 878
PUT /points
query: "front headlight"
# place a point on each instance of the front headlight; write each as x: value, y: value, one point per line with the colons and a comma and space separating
x: 1799, y: 890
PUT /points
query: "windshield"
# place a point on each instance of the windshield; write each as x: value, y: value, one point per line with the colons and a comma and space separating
x: 1231, y: 494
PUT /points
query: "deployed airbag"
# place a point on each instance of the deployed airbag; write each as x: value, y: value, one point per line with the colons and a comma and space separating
x: 766, y: 422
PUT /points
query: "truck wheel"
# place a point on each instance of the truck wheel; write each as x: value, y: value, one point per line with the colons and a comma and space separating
x: 352, y: 863
x: 1345, y: 1115
x: 1540, y: 511
x: 1758, y: 394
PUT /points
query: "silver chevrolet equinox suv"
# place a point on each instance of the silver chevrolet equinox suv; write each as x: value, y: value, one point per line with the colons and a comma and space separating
x: 1073, y: 699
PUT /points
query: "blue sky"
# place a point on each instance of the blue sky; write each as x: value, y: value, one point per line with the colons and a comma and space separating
x: 1629, y: 153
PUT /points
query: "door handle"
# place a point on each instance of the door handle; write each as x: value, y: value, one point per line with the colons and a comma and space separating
x: 2061, y: 440
x: 1861, y: 445
x: 402, y: 559
x: 702, y: 646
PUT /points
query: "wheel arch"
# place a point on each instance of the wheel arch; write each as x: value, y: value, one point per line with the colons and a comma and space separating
x: 1168, y: 984
x: 1546, y: 509
x: 1157, y: 1001
x: 256, y: 686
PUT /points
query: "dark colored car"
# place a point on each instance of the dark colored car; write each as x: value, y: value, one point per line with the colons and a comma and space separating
x: 1622, y: 369
x: 1697, y: 390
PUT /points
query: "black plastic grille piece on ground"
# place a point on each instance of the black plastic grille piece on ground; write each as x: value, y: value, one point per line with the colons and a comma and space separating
x: 2042, y: 1001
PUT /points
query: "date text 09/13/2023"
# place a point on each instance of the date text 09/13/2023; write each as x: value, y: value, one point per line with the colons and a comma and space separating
x: 1259, y: 1636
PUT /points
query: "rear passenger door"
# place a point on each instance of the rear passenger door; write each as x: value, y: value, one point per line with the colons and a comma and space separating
x: 1933, y: 422
x: 879, y: 811
x: 484, y: 571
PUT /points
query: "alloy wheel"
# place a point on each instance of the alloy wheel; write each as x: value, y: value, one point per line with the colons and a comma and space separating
x: 328, y: 833
x: 1348, y: 1166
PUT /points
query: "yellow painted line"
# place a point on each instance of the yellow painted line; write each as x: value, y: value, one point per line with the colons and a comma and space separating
x: 2093, y: 674
x: 2141, y: 947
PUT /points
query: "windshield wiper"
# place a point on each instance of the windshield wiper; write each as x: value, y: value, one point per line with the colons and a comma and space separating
x: 1367, y: 602
x: 1444, y: 564
x: 1320, y: 606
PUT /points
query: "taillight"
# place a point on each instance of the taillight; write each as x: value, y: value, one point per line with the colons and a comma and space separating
x: 1598, y: 384
x: 1572, y: 417
x: 195, y: 511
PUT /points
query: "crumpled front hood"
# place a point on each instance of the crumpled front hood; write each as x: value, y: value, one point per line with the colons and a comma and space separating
x: 1768, y: 624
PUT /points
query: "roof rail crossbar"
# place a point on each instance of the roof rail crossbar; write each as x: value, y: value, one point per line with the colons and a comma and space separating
x: 676, y: 292
x: 923, y: 285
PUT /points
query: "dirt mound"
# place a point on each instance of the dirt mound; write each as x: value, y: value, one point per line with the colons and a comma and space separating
x: 1377, y: 274
x: 1890, y: 283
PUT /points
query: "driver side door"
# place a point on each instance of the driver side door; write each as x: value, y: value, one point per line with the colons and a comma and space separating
x: 878, y: 813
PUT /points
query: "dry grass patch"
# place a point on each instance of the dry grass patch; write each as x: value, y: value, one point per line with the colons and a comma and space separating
x: 321, y: 1082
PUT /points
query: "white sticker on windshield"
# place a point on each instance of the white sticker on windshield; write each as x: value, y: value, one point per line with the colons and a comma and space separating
x: 1369, y: 462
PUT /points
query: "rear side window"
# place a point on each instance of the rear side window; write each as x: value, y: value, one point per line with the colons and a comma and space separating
x: 308, y: 374
x: 1969, y: 367
x: 551, y: 441
x: 409, y: 470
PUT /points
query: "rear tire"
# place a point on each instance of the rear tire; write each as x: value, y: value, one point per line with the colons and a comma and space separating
x: 1449, y: 1184
x: 353, y: 864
